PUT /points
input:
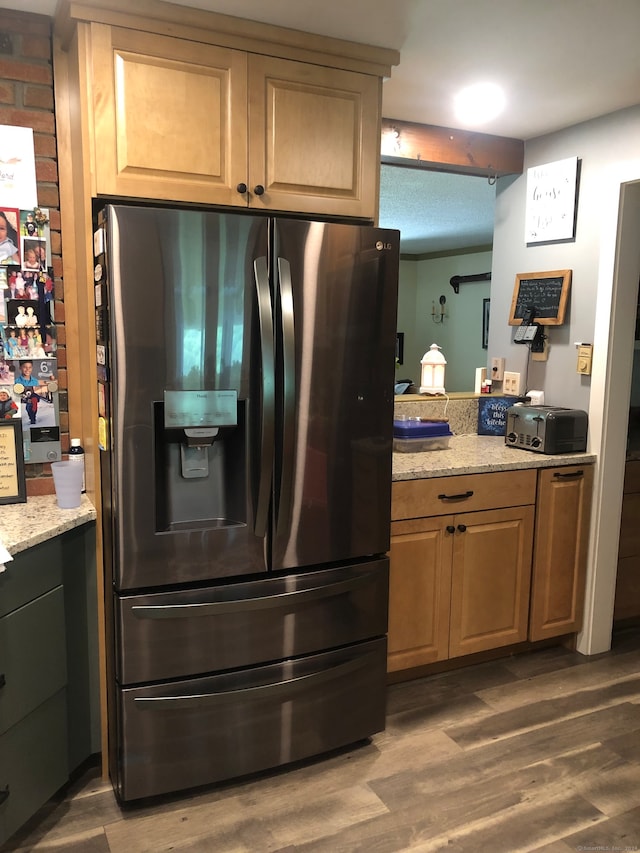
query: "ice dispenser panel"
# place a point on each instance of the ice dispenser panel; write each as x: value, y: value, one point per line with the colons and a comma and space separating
x: 200, y: 414
x: 199, y: 450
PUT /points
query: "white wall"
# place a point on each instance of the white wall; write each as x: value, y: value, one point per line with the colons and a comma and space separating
x: 605, y: 259
x: 597, y: 144
x: 422, y: 282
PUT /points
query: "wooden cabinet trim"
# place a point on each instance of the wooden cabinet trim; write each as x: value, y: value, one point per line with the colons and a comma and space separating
x: 213, y: 28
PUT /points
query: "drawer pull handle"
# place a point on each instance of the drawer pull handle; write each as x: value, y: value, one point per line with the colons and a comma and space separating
x: 459, y: 497
x: 4, y: 795
x: 3, y: 680
x: 571, y: 475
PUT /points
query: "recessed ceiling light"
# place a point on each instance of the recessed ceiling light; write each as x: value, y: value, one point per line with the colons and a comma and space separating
x: 479, y: 103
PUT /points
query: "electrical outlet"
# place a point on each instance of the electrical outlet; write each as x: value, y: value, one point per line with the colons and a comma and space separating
x: 497, y: 369
x: 511, y: 383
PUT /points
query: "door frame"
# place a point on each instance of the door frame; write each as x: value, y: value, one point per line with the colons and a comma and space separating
x: 616, y: 300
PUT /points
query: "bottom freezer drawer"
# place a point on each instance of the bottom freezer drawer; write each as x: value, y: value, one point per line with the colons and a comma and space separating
x: 195, y: 732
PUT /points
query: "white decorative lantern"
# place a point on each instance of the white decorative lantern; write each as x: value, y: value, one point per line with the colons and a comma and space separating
x: 433, y: 363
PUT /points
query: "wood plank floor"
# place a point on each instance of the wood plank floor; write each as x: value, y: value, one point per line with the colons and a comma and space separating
x: 537, y: 752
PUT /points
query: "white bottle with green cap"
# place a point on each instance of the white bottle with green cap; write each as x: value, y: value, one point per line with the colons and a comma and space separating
x: 76, y: 455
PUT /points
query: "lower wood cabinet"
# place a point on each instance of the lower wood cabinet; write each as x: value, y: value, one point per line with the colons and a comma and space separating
x: 419, y: 592
x: 560, y: 558
x: 499, y: 560
x: 627, y: 600
x: 490, y: 579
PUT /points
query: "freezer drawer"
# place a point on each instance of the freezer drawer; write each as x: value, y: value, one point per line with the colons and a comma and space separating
x: 208, y: 629
x: 188, y: 733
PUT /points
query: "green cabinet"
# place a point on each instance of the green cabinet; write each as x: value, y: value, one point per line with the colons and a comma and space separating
x: 48, y: 672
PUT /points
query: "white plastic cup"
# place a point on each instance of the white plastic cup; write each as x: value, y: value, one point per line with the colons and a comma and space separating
x: 67, y: 479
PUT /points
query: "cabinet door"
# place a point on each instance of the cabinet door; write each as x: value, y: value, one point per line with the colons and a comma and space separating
x: 562, y: 533
x: 170, y: 117
x: 314, y: 139
x: 490, y: 579
x: 419, y: 585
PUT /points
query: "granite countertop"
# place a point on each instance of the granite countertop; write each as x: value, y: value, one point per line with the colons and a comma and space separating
x: 477, y: 454
x: 38, y: 520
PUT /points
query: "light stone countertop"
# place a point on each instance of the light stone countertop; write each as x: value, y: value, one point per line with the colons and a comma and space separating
x: 39, y: 519
x: 477, y: 454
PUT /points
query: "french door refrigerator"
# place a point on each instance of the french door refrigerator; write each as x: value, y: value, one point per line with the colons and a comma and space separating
x: 245, y: 386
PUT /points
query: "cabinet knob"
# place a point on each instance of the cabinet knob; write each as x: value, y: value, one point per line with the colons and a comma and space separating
x: 462, y: 528
x: 450, y: 528
x: 242, y: 188
x: 258, y: 190
x: 4, y: 794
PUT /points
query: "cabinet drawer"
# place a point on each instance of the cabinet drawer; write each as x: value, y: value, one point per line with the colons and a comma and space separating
x: 32, y: 656
x: 463, y: 493
x: 30, y: 574
x: 33, y: 763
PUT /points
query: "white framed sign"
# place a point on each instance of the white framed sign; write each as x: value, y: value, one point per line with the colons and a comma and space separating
x: 551, y: 201
x: 17, y: 168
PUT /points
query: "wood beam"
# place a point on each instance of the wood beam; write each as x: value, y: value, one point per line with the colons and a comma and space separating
x: 446, y: 149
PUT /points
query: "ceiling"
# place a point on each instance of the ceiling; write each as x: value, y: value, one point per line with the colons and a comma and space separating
x: 436, y: 212
x: 560, y: 62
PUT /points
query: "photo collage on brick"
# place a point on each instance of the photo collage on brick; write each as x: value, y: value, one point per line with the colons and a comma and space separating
x: 28, y: 364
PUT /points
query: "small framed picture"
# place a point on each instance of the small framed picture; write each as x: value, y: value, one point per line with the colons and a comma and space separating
x: 13, y: 486
x: 9, y: 236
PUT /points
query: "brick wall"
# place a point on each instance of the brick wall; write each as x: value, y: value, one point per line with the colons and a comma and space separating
x: 26, y: 100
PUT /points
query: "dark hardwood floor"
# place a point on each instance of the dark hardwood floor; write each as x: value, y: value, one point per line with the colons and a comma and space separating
x: 537, y: 752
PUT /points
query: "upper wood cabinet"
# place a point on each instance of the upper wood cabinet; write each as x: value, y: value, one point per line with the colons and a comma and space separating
x: 169, y: 117
x: 178, y: 120
x: 313, y: 138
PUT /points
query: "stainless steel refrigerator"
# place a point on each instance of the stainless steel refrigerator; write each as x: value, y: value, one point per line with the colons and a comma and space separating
x: 246, y: 378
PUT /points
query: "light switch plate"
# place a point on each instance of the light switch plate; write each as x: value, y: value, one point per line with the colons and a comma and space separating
x: 585, y: 352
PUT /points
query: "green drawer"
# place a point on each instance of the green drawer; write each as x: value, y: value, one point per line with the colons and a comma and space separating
x: 30, y: 574
x: 33, y: 763
x: 33, y: 656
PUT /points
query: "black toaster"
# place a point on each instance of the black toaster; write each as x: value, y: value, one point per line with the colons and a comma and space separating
x: 546, y: 429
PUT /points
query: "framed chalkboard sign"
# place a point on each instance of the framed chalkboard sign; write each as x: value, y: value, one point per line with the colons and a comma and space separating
x: 546, y: 291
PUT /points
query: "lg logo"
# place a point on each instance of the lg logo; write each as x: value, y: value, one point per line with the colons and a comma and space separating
x: 380, y: 246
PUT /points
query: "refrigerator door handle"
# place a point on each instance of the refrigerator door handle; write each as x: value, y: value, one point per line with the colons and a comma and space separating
x: 285, y: 295
x: 217, y: 608
x: 265, y: 319
x: 271, y: 691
